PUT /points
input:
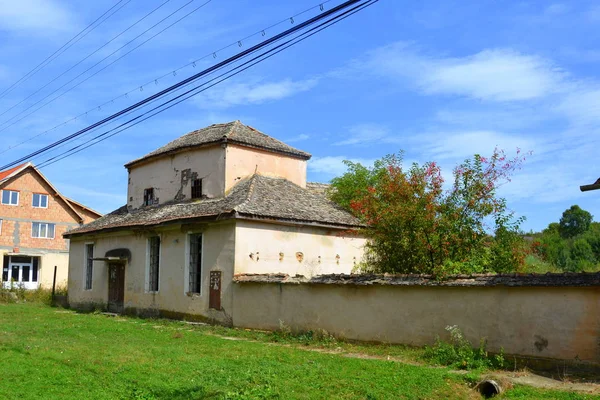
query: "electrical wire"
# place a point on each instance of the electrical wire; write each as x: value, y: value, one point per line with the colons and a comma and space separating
x: 261, y: 32
x: 103, y: 68
x: 65, y: 46
x: 190, y: 79
x: 83, y: 59
x: 193, y: 92
x: 185, y: 81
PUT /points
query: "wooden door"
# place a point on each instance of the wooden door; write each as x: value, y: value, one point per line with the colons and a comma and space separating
x: 116, y: 287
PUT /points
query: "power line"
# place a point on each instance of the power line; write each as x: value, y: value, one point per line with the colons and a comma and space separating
x: 103, y: 68
x: 187, y: 95
x: 83, y: 59
x: 213, y: 54
x: 65, y: 46
x: 190, y: 79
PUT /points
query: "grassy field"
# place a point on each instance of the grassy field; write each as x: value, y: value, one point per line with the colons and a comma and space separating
x: 53, y: 353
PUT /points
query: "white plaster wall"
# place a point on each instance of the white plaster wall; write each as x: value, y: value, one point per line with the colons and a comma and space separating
x: 165, y: 175
x: 243, y: 162
x: 319, y: 246
x: 564, y: 320
x: 172, y: 296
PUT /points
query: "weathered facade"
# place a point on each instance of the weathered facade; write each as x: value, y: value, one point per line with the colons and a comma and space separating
x: 33, y: 218
x: 540, y: 317
x: 223, y: 200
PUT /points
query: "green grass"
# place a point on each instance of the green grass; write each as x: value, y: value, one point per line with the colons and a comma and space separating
x: 53, y: 353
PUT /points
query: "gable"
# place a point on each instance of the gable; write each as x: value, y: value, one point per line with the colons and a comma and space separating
x: 29, y: 181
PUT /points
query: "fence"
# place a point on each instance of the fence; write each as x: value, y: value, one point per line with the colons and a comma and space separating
x: 554, y: 316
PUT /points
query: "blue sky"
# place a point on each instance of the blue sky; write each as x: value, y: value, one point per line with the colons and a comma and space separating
x: 441, y: 80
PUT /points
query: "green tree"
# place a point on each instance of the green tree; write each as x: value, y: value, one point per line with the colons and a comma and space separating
x: 574, y: 221
x: 414, y: 225
x: 582, y: 256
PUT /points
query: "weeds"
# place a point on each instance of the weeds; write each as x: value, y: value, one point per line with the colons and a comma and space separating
x: 459, y: 353
x: 286, y: 334
x: 17, y: 293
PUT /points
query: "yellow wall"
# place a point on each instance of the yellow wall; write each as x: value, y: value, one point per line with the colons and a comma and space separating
x: 554, y: 322
x: 319, y: 247
x: 46, y: 267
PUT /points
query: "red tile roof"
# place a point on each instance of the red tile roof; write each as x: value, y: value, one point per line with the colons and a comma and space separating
x: 6, y: 173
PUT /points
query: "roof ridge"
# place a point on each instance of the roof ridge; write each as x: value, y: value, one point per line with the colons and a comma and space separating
x: 250, y: 191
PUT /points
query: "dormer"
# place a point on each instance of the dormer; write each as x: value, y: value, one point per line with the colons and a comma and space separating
x: 207, y: 163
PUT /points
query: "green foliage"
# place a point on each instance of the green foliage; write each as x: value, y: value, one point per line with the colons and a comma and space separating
x: 460, y: 353
x: 557, y: 246
x: 415, y: 225
x: 574, y: 221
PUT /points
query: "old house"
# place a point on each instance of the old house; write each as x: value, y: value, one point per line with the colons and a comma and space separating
x: 218, y: 201
x: 33, y: 217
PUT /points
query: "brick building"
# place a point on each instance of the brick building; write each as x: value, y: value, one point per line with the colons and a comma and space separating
x: 33, y: 217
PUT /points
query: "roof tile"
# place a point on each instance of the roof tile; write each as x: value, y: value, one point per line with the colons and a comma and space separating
x: 257, y: 197
x: 231, y: 132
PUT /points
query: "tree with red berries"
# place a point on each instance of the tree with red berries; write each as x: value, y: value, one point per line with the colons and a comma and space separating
x: 417, y: 225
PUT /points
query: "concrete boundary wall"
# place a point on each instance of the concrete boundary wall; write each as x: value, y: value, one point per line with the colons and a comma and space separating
x: 554, y: 316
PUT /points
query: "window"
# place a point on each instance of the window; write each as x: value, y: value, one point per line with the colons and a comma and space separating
x: 10, y: 197
x: 42, y: 230
x: 195, y: 263
x: 148, y: 196
x: 153, y: 263
x: 40, y: 200
x: 89, y: 265
x: 197, y: 189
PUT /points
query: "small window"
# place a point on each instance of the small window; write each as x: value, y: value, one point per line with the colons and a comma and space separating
x: 42, y: 230
x: 10, y: 197
x: 197, y: 189
x: 154, y: 262
x: 40, y: 200
x: 89, y: 265
x: 148, y: 196
x: 195, y: 265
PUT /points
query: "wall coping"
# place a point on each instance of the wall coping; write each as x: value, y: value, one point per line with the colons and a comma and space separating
x: 475, y: 280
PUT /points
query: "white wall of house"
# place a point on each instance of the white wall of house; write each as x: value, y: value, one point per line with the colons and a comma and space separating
x: 172, y: 296
x: 294, y: 249
x: 167, y: 177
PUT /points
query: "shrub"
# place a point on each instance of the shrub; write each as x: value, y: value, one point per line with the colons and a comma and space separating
x: 459, y: 352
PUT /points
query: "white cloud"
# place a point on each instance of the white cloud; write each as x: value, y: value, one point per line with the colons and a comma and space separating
x: 252, y: 93
x: 460, y: 145
x: 35, y: 15
x: 493, y: 74
x: 364, y: 133
x: 334, y: 165
x: 582, y: 106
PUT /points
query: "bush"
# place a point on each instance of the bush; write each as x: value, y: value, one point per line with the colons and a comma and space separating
x: 459, y: 352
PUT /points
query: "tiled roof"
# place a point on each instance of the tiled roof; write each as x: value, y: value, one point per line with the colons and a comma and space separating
x: 231, y: 132
x: 318, y: 188
x: 8, y: 172
x: 256, y: 197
